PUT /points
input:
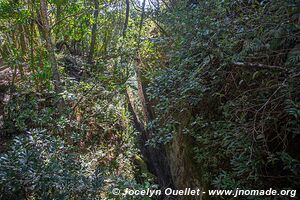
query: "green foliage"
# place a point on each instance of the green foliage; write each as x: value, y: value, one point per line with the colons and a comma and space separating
x: 14, y: 10
x: 223, y: 73
x: 64, y: 157
x: 31, y: 110
x: 243, y: 120
x: 46, y: 167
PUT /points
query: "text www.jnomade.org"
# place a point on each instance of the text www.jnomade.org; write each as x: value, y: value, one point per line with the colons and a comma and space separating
x: 198, y: 192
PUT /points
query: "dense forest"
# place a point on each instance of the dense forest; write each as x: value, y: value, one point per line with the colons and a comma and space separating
x: 101, y: 96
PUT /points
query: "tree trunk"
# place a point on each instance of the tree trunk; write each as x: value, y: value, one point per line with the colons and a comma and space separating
x: 49, y: 45
x: 155, y: 157
x: 94, y: 31
x: 126, y: 18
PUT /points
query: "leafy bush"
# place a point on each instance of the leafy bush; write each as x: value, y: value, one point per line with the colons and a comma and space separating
x: 243, y: 119
x: 43, y: 166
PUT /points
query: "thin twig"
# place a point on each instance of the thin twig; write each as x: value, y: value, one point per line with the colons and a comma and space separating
x: 259, y: 65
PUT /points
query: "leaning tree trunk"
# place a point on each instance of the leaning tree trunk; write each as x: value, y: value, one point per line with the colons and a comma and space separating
x: 155, y: 157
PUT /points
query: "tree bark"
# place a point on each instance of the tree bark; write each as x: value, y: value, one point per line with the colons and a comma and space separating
x: 155, y: 157
x: 94, y: 31
x: 49, y: 45
x: 126, y: 18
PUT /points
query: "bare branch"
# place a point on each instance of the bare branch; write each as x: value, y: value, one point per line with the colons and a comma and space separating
x: 258, y: 65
